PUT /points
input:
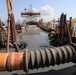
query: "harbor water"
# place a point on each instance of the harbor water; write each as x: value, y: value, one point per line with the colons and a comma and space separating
x: 34, y: 38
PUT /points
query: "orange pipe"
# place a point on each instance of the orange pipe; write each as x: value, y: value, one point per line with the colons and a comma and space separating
x: 11, y: 61
x: 18, y: 62
x: 3, y: 58
x: 8, y: 6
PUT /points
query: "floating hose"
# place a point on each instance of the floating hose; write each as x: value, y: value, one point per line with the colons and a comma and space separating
x: 46, y: 57
x: 35, y: 59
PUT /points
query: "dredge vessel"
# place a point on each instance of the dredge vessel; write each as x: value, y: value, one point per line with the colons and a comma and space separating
x: 30, y: 16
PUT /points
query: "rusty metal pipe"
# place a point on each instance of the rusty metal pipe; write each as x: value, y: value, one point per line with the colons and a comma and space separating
x: 38, y: 58
x: 11, y: 61
x: 11, y: 27
x: 13, y: 33
x: 9, y: 13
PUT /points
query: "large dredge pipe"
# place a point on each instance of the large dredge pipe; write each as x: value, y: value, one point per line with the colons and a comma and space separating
x: 37, y: 58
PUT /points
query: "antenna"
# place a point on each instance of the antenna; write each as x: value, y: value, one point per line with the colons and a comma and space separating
x: 30, y: 6
x: 25, y: 9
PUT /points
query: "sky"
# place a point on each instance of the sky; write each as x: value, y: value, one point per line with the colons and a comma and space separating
x: 49, y: 9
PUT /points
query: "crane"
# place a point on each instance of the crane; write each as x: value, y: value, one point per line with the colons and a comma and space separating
x: 71, y: 22
x: 48, y: 24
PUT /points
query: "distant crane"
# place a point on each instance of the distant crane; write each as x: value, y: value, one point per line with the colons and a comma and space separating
x: 49, y: 23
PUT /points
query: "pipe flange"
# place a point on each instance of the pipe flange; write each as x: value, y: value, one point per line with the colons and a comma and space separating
x: 9, y: 62
x: 25, y: 61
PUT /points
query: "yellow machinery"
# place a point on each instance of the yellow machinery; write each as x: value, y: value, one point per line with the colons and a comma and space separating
x: 73, y: 21
x: 48, y: 24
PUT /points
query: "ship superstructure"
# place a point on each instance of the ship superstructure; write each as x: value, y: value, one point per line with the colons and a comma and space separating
x: 30, y: 16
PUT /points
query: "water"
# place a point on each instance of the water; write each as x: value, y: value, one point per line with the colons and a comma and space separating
x: 35, y: 38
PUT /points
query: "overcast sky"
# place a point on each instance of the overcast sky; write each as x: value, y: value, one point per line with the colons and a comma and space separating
x: 49, y: 8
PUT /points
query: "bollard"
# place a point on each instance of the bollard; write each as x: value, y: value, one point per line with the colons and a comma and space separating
x: 36, y: 59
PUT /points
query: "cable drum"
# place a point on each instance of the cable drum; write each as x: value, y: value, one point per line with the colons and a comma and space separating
x: 46, y: 57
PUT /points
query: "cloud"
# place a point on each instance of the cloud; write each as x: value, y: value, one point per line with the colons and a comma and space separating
x: 47, y: 13
x: 47, y: 10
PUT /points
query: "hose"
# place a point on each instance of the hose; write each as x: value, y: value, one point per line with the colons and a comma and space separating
x: 46, y: 57
x: 35, y: 59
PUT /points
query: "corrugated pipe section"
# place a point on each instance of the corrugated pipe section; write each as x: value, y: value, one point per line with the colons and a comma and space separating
x: 35, y: 59
x: 46, y: 57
